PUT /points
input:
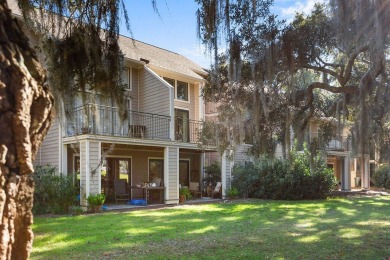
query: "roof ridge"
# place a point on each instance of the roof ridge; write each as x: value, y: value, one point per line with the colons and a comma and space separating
x: 125, y: 36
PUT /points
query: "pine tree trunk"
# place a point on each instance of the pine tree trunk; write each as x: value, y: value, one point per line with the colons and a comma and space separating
x: 25, y: 116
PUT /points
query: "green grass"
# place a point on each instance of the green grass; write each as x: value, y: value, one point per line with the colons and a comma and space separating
x: 354, y: 228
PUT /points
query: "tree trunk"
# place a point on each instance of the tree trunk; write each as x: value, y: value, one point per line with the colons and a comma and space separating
x: 25, y: 116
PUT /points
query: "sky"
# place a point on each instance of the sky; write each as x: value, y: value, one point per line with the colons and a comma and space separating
x: 175, y: 28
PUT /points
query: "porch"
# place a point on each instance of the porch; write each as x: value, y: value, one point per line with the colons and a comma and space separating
x: 101, y: 164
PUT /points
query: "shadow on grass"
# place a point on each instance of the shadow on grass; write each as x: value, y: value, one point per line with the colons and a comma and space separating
x: 324, y: 229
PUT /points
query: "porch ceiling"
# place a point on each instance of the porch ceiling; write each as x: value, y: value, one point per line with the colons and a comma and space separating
x: 124, y: 147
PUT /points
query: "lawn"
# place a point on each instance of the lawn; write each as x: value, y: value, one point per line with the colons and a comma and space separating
x: 348, y: 228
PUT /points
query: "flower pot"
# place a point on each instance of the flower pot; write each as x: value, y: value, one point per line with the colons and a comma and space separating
x: 182, y: 198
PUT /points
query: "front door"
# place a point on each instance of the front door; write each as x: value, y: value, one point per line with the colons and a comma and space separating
x: 182, y: 129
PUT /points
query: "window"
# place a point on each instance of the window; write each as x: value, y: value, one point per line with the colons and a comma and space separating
x: 126, y: 78
x: 181, y: 88
x: 170, y: 81
x: 182, y: 91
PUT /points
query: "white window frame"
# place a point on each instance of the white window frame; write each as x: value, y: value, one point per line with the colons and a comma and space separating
x: 175, y: 89
x: 130, y: 78
x: 188, y: 91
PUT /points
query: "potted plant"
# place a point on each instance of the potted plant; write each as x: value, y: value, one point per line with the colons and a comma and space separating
x: 95, y: 202
x: 184, y: 193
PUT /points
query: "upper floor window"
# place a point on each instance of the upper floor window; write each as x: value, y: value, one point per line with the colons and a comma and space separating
x: 170, y: 81
x: 182, y: 91
x: 126, y: 78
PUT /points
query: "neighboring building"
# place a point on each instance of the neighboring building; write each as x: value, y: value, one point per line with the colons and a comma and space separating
x: 159, y: 139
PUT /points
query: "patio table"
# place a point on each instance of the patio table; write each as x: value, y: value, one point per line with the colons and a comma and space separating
x: 146, y: 192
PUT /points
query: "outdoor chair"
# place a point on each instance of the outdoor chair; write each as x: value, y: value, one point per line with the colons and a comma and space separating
x: 120, y: 190
x: 194, y: 189
x: 217, y: 189
x: 157, y: 181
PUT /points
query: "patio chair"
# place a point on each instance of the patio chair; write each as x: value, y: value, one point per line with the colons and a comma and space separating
x: 217, y: 189
x: 194, y: 189
x: 120, y: 190
x: 157, y: 181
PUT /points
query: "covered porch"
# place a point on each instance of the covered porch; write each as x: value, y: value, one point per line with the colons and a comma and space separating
x: 154, y: 173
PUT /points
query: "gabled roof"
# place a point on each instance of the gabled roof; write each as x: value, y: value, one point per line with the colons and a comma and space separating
x: 160, y: 58
x: 157, y: 57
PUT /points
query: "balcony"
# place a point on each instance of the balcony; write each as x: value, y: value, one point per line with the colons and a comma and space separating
x: 187, y: 130
x: 104, y: 120
x: 335, y: 143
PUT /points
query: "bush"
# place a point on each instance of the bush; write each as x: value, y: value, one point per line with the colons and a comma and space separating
x: 96, y: 200
x: 381, y: 177
x: 53, y: 193
x: 279, y: 179
x: 213, y: 174
x: 232, y: 193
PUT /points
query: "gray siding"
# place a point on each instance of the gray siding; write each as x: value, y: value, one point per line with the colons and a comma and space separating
x: 94, y: 159
x: 49, y: 152
x: 153, y: 94
x: 134, y: 92
x: 240, y: 155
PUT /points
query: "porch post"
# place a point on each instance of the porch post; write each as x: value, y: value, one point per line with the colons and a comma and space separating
x: 223, y: 173
x: 346, y: 174
x: 201, y: 171
x: 90, y: 174
x: 365, y: 172
x: 171, y: 175
x: 84, y: 173
x: 64, y: 159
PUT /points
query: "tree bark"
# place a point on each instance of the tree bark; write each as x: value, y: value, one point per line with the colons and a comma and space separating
x: 25, y: 116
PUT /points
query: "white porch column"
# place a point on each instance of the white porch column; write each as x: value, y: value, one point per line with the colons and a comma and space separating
x: 365, y: 172
x: 201, y: 170
x: 346, y: 175
x: 90, y: 174
x: 64, y: 159
x: 226, y: 167
x: 171, y: 175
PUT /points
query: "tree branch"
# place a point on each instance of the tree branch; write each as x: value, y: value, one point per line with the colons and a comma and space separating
x: 351, y: 62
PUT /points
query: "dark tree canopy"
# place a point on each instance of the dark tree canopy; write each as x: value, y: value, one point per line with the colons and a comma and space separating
x: 330, y: 63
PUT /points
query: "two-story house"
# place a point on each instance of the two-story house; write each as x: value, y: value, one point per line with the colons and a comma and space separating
x: 158, y: 139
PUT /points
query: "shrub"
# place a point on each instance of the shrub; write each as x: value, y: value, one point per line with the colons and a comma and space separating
x: 96, y: 200
x: 279, y: 179
x: 54, y: 193
x: 213, y: 174
x: 232, y: 193
x: 381, y: 177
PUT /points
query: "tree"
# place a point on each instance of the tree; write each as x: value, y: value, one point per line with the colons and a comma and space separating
x: 80, y: 38
x: 341, y: 45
